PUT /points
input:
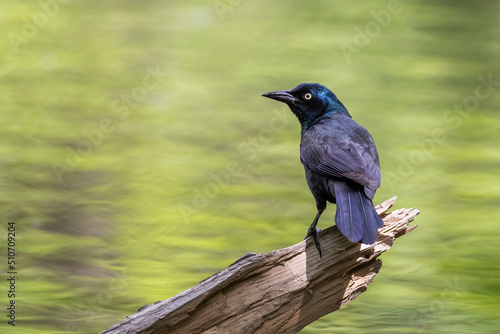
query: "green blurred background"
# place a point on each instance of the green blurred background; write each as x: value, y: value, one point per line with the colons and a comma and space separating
x: 139, y: 158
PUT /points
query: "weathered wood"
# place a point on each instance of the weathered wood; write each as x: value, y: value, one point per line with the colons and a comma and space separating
x: 278, y: 292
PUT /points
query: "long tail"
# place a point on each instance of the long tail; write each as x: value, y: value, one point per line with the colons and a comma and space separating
x: 356, y: 217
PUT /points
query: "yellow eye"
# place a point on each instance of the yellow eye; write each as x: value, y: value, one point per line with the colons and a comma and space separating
x: 307, y: 96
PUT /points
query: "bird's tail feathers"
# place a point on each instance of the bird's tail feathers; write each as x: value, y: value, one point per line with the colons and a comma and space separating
x: 356, y: 217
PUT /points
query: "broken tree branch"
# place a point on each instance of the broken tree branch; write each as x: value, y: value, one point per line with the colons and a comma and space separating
x: 278, y: 292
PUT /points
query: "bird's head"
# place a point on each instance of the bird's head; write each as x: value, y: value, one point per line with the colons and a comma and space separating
x: 309, y: 101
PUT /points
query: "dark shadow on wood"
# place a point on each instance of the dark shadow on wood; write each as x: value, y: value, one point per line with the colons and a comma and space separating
x: 325, y: 295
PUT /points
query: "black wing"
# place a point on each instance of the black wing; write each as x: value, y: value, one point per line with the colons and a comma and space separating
x: 352, y: 159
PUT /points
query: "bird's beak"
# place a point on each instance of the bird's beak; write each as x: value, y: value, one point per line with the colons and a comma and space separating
x: 282, y: 96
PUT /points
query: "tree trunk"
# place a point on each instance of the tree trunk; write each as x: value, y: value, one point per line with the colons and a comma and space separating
x: 278, y: 292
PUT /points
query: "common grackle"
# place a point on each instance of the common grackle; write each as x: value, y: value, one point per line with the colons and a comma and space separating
x: 340, y: 160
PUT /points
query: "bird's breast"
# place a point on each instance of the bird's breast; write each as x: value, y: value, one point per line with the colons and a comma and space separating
x: 319, y: 186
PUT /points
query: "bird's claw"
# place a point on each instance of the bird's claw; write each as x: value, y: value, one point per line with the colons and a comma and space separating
x: 314, y: 233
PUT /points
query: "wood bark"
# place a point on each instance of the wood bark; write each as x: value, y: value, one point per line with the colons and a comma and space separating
x: 278, y: 292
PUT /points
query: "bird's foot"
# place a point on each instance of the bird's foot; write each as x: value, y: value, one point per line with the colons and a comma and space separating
x: 312, y: 231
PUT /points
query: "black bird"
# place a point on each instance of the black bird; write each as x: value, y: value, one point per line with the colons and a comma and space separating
x: 340, y: 160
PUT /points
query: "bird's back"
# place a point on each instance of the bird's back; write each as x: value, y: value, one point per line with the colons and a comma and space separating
x: 335, y: 146
x: 336, y: 128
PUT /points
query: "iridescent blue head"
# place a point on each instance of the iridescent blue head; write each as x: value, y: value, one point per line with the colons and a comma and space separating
x: 309, y: 101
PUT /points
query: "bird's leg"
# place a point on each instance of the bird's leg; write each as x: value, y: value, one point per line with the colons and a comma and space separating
x: 312, y: 231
